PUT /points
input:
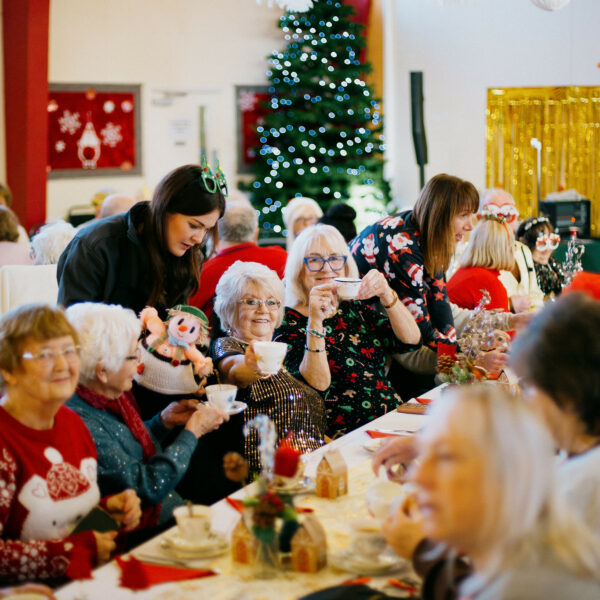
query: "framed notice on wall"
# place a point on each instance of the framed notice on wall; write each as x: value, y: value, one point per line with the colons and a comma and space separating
x: 250, y: 111
x: 94, y: 129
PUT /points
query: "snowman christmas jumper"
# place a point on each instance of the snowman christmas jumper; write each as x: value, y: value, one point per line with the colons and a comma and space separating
x: 47, y: 484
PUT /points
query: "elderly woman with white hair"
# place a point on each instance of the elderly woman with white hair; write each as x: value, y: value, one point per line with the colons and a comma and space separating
x: 129, y: 450
x: 50, y: 241
x: 300, y: 212
x: 249, y: 302
x: 486, y: 486
x: 351, y: 338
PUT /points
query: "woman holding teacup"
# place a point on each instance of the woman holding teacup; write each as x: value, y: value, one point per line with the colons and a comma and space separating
x: 350, y: 339
x: 131, y: 452
x: 249, y: 303
x: 47, y: 457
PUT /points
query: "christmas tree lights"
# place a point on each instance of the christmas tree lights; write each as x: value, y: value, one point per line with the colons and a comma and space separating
x: 322, y: 136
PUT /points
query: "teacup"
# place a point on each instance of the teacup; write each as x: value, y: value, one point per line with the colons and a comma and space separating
x: 381, y: 496
x: 193, y: 522
x: 221, y: 395
x: 367, y: 539
x: 270, y: 356
x: 347, y: 287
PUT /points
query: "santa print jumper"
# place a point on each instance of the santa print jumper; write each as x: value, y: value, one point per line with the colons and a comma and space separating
x: 464, y: 288
x: 391, y: 245
x: 47, y: 484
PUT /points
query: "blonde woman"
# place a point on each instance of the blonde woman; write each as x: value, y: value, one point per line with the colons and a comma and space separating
x: 298, y: 214
x: 486, y: 487
x: 342, y: 347
x: 490, y: 250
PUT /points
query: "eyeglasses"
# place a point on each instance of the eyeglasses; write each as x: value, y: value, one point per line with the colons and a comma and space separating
x: 135, y: 356
x: 317, y: 263
x: 547, y: 242
x: 255, y: 303
x: 49, y: 358
x: 507, y: 211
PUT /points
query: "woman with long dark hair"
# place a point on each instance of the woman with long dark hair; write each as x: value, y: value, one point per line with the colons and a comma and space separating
x: 151, y: 255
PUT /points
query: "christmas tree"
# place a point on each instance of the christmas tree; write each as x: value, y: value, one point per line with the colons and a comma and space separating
x: 322, y: 136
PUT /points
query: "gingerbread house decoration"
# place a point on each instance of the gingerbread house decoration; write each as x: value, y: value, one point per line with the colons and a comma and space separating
x: 332, y: 476
x: 309, y: 546
x: 242, y: 543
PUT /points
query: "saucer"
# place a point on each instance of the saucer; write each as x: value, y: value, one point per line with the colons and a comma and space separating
x: 348, y: 560
x: 236, y: 408
x: 213, y: 545
x: 304, y: 485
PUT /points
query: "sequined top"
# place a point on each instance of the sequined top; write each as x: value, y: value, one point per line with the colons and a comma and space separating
x: 358, y: 341
x: 121, y: 463
x: 291, y: 404
x: 550, y: 277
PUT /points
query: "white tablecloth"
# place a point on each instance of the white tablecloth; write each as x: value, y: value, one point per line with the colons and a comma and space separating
x: 236, y: 582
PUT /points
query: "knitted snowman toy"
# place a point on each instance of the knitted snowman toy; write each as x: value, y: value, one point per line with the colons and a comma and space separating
x: 170, y: 362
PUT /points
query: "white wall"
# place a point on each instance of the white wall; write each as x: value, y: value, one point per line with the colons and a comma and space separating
x: 463, y: 48
x: 202, y: 47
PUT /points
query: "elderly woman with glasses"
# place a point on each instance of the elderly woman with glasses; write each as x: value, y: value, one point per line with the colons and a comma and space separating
x: 47, y: 457
x: 349, y: 341
x: 249, y: 302
x: 132, y: 452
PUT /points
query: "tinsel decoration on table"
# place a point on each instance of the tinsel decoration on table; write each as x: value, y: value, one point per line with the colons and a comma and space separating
x: 572, y: 263
x: 266, y: 446
x: 476, y: 337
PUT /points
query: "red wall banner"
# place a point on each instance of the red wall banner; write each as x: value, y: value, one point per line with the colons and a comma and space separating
x: 92, y: 130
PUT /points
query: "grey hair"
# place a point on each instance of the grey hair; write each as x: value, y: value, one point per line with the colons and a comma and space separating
x: 300, y: 206
x: 524, y: 511
x: 295, y: 294
x: 50, y: 241
x: 233, y: 284
x: 239, y: 223
x: 105, y: 332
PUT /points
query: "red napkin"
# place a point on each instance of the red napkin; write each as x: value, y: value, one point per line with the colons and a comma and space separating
x: 235, y: 504
x: 380, y: 434
x: 137, y: 575
x: 423, y: 400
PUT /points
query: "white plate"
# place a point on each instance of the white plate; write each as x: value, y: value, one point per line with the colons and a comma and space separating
x: 306, y: 485
x: 375, y: 443
x: 346, y: 560
x: 213, y: 545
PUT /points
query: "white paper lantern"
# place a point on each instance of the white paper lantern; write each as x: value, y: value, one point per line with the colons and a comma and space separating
x: 292, y: 5
x: 550, y: 4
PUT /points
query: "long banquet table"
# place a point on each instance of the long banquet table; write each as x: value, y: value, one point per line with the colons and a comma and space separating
x: 236, y: 582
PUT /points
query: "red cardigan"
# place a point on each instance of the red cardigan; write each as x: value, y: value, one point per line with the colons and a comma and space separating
x: 464, y: 288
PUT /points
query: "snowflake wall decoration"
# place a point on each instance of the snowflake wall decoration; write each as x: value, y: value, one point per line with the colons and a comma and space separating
x: 69, y: 122
x: 111, y: 135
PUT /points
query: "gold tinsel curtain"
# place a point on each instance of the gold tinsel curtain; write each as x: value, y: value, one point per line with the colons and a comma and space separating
x: 567, y: 121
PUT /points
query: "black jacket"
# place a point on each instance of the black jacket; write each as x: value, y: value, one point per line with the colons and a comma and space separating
x: 107, y: 262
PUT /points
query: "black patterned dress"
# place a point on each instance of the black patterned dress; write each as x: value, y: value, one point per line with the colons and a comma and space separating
x: 290, y: 404
x: 550, y: 277
x: 358, y: 341
x: 391, y: 245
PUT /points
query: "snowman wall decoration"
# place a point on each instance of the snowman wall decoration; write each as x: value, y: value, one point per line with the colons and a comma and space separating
x: 170, y: 361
